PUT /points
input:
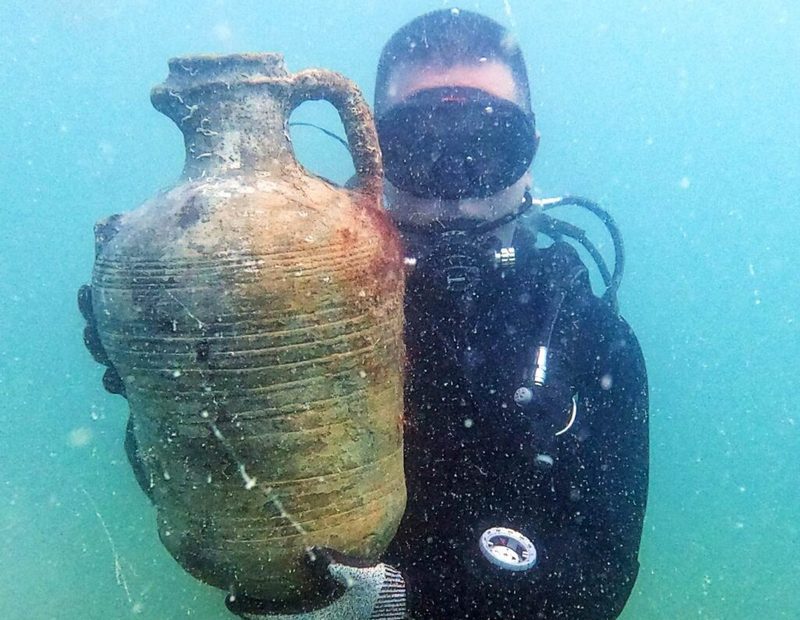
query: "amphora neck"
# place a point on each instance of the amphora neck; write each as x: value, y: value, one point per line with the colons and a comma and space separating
x: 232, y: 110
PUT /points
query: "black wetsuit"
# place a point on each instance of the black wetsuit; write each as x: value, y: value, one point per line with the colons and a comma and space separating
x: 471, y: 451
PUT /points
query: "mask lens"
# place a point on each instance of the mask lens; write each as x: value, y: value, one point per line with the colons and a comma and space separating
x: 455, y: 143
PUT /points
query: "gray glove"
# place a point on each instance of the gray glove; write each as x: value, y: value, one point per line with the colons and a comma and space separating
x: 371, y: 593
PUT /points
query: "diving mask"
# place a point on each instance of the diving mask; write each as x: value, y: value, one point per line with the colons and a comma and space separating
x: 455, y: 143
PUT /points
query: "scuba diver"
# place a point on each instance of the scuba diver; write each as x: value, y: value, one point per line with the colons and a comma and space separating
x: 526, y: 399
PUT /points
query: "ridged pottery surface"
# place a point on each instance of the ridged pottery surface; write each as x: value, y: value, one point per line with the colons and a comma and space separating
x: 254, y: 312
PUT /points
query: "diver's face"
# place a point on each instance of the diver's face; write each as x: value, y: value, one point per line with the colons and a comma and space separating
x: 492, y: 77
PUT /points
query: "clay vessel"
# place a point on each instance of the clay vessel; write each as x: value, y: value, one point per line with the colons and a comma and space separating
x: 254, y: 313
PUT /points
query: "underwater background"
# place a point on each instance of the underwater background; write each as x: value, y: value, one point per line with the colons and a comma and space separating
x: 679, y: 116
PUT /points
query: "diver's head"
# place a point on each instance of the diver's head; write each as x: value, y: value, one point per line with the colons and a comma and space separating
x: 453, y: 105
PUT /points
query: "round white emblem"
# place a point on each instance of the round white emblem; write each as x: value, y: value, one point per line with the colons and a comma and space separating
x: 508, y: 549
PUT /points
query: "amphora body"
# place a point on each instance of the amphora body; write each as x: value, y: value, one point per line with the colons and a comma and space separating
x: 254, y: 313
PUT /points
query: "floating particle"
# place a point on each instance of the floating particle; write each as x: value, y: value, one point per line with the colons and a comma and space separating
x: 80, y: 437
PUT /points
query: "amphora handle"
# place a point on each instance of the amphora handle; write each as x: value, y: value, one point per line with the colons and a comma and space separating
x: 359, y: 125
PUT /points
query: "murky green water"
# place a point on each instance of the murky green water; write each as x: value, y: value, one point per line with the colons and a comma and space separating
x: 679, y: 116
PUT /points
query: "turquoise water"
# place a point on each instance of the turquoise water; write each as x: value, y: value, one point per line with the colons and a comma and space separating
x: 680, y: 116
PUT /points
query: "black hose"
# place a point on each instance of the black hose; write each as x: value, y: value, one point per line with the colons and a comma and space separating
x: 553, y: 312
x: 323, y: 130
x: 559, y: 227
x: 554, y: 228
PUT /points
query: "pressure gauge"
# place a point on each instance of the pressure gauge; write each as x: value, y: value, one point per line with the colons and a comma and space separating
x: 508, y: 549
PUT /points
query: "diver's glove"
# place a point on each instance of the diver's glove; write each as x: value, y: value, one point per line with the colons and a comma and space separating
x: 370, y: 593
x: 112, y: 382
